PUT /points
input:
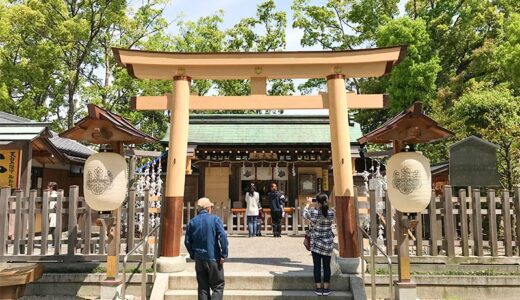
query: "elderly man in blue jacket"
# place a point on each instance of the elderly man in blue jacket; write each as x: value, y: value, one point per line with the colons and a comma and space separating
x: 207, y: 243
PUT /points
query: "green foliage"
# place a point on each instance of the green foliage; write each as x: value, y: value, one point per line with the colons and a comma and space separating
x: 55, y: 56
x: 414, y: 78
x: 341, y: 24
x: 509, y: 53
x: 493, y: 114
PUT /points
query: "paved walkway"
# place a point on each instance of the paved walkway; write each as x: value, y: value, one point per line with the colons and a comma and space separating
x: 265, y: 254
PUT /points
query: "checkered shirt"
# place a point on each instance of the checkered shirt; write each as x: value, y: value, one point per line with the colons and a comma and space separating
x: 322, y: 238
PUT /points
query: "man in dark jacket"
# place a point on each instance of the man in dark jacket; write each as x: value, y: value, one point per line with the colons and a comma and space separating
x: 276, y: 203
x: 207, y: 244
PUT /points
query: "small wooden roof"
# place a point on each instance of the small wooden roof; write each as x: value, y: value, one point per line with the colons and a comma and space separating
x: 411, y: 126
x: 245, y: 65
x: 103, y: 127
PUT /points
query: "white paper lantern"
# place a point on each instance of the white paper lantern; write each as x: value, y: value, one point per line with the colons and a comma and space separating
x: 105, y: 180
x: 409, y: 181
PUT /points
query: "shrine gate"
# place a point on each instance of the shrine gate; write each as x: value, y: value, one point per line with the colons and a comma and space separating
x: 258, y: 68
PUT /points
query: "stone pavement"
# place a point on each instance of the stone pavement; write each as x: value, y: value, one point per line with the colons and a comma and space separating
x: 264, y: 254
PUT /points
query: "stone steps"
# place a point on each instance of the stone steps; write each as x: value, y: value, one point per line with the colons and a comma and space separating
x: 261, y: 281
x: 259, y: 285
x: 258, y: 294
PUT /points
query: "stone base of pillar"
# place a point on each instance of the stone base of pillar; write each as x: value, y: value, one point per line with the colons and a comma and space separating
x: 171, y: 264
x: 110, y: 289
x: 350, y: 265
x: 405, y: 290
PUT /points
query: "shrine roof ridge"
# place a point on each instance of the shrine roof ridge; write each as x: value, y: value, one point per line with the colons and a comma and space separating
x: 258, y: 119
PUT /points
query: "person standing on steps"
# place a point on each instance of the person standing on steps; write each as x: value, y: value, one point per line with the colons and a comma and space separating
x: 322, y: 240
x: 276, y: 203
x: 252, y: 210
x: 207, y: 244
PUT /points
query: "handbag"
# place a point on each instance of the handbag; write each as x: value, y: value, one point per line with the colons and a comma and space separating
x: 307, y: 241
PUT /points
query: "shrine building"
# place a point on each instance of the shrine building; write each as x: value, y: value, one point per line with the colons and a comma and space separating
x: 226, y: 153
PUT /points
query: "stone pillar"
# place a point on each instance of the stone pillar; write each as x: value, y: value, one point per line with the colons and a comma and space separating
x: 171, y: 220
x: 342, y: 171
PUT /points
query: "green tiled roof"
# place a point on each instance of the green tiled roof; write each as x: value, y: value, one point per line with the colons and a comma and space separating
x: 262, y: 129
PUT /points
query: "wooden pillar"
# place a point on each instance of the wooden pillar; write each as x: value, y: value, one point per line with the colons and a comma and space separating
x: 175, y: 176
x: 234, y: 183
x: 25, y: 180
x: 342, y: 167
x: 114, y: 231
x: 202, y: 180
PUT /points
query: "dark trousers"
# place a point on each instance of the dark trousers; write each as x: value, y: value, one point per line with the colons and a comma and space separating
x: 210, y: 275
x: 277, y: 226
x: 317, y: 260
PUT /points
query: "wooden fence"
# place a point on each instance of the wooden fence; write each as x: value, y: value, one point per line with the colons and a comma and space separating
x: 80, y: 238
x: 450, y: 226
x: 77, y: 235
x: 466, y: 225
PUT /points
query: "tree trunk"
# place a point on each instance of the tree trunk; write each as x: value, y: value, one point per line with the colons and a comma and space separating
x: 72, y: 108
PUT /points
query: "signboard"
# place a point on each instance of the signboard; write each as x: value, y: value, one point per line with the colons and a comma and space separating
x: 307, y: 184
x: 268, y: 156
x: 325, y: 178
x: 264, y: 173
x: 473, y: 162
x: 10, y: 168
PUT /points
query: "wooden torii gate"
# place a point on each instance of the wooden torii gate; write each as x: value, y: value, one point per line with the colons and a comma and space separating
x: 258, y: 67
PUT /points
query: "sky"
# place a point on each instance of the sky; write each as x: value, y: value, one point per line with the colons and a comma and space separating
x: 234, y: 11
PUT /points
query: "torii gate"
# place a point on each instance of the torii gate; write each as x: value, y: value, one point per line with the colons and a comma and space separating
x: 258, y: 67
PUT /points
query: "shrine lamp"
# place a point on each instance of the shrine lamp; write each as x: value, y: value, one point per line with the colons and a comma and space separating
x: 105, y: 181
x: 409, y: 181
x: 105, y: 178
x: 408, y: 173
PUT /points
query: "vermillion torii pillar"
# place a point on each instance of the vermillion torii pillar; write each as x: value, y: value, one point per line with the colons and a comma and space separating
x: 342, y: 167
x: 174, y: 192
x: 336, y: 66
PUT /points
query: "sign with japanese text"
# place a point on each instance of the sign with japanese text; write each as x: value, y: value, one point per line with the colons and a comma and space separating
x: 325, y: 180
x: 10, y: 168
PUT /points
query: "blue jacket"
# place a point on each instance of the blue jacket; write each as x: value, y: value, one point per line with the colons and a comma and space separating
x: 276, y: 201
x: 206, y: 238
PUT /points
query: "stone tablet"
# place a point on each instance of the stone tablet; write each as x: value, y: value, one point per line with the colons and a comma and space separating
x: 473, y: 162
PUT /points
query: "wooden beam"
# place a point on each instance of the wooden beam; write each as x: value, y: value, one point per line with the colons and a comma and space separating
x: 257, y: 102
x: 245, y: 65
x: 258, y: 86
x: 142, y: 153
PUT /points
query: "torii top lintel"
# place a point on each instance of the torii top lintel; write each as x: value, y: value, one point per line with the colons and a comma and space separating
x: 360, y: 63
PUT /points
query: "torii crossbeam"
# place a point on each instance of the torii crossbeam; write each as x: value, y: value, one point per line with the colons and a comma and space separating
x: 335, y: 66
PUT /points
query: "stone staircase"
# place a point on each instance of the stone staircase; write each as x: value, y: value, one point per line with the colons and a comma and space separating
x: 259, y: 285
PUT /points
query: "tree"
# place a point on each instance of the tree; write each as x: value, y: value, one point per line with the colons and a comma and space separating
x: 30, y: 63
x: 414, y: 79
x: 263, y: 33
x: 508, y: 54
x: 492, y: 114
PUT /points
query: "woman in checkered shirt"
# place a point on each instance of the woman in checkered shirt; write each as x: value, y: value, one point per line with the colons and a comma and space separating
x: 322, y: 240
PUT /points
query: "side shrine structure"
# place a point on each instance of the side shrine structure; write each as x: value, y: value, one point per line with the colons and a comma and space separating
x: 335, y: 67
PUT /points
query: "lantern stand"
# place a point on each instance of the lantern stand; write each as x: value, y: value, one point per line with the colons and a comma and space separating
x: 410, y: 127
x: 103, y: 127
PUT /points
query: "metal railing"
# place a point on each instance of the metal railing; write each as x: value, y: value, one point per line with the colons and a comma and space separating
x: 373, y: 251
x: 144, y: 276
